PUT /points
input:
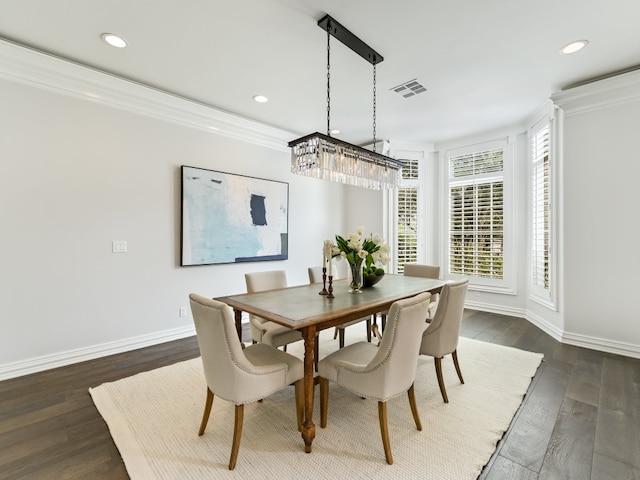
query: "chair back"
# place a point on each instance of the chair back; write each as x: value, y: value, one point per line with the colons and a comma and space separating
x: 263, y: 281
x: 441, y: 336
x: 421, y: 270
x: 226, y: 369
x: 315, y: 274
x: 393, y: 368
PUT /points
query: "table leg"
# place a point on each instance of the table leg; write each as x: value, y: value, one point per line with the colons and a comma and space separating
x: 308, y: 428
x: 238, y: 316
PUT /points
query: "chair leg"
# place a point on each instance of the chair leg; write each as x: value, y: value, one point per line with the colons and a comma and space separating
x: 376, y: 333
x: 335, y: 333
x: 207, y: 410
x: 384, y: 431
x: 443, y: 390
x: 299, y: 389
x: 324, y: 400
x: 341, y: 335
x: 414, y: 408
x: 383, y: 322
x: 457, y: 365
x: 237, y: 434
x: 316, y: 353
x: 373, y: 318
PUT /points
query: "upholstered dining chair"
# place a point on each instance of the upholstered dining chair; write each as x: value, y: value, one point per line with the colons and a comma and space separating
x: 265, y: 331
x: 262, y: 330
x: 380, y: 372
x: 424, y: 271
x: 315, y: 276
x: 441, y: 336
x: 239, y: 375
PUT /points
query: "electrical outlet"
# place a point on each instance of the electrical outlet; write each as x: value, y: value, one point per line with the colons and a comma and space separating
x: 119, y: 246
x: 183, y: 311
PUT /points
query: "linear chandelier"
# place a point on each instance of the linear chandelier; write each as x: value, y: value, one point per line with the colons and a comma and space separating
x: 322, y: 156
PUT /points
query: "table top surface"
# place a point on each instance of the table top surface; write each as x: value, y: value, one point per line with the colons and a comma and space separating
x: 301, y: 306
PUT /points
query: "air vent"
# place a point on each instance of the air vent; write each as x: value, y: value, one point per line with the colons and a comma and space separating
x: 409, y: 89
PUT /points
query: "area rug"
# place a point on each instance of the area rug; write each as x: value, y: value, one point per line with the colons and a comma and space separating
x: 154, y: 417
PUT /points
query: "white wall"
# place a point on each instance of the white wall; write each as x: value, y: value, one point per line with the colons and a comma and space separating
x: 78, y: 174
x: 601, y: 173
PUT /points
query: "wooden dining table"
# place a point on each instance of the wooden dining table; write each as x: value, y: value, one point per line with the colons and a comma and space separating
x: 302, y: 308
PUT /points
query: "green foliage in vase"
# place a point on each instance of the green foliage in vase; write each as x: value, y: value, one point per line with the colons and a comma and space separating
x: 356, y: 248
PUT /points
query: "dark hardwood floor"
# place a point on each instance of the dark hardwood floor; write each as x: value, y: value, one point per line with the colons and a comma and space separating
x: 579, y: 420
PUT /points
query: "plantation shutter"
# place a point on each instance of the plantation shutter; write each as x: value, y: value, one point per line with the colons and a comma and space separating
x: 407, y: 202
x: 476, y: 214
x: 540, y: 206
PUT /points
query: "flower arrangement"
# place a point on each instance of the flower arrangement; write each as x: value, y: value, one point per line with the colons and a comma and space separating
x: 356, y: 248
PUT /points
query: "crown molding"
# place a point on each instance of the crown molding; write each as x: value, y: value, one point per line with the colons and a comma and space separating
x: 619, y: 89
x: 41, y: 70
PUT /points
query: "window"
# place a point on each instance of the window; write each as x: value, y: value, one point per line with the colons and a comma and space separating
x: 408, y: 229
x: 476, y: 243
x: 539, y: 142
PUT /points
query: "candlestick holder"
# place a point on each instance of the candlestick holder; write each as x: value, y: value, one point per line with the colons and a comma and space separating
x: 324, y: 282
x: 330, y: 292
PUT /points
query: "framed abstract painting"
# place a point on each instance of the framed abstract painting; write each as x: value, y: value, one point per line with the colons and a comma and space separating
x: 229, y: 218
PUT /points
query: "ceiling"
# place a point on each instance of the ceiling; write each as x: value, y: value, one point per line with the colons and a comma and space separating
x: 486, y: 64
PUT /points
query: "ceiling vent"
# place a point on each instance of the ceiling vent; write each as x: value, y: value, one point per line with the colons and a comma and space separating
x: 409, y: 89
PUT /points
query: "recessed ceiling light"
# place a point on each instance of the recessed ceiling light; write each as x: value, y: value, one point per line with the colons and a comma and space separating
x: 114, y: 40
x: 573, y: 47
x: 335, y: 131
x: 260, y: 98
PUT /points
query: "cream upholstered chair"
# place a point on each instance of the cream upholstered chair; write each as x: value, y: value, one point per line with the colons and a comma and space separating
x: 315, y: 276
x: 262, y: 330
x: 239, y: 375
x: 383, y: 372
x: 424, y: 271
x: 441, y: 336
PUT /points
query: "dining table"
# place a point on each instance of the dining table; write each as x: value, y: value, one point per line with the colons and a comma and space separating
x: 303, y: 308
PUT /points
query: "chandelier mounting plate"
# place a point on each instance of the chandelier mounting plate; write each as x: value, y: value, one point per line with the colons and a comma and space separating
x: 339, y: 32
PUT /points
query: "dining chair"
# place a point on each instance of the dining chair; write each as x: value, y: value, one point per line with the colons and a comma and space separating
x: 315, y: 276
x: 441, y: 336
x: 417, y: 270
x: 236, y: 374
x: 380, y: 372
x: 425, y: 271
x: 265, y: 331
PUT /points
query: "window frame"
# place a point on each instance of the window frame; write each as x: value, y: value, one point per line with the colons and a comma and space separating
x: 507, y: 284
x: 418, y: 185
x: 544, y: 296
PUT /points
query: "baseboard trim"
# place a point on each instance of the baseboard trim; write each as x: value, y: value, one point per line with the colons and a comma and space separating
x: 545, y: 326
x: 576, y: 339
x: 61, y: 359
x: 499, y: 309
x: 601, y: 344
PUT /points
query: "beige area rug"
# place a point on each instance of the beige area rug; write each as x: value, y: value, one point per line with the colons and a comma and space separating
x: 154, y: 418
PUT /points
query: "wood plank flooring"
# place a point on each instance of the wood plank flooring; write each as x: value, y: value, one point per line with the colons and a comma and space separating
x: 580, y: 418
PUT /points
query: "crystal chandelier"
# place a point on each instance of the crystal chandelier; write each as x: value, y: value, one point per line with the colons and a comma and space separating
x: 322, y: 156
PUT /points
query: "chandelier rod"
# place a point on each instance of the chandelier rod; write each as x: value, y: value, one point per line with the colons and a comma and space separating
x: 328, y: 79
